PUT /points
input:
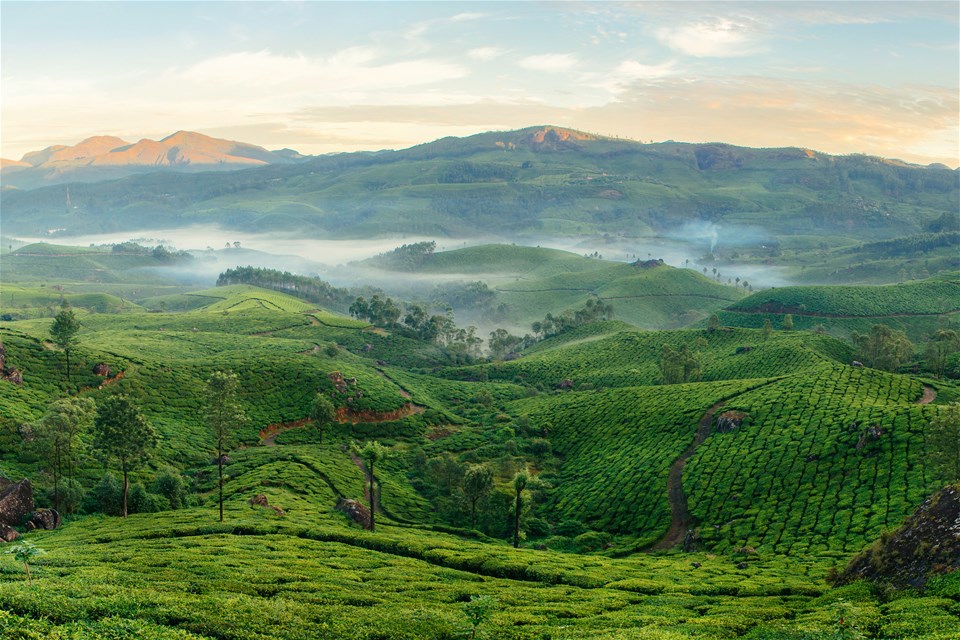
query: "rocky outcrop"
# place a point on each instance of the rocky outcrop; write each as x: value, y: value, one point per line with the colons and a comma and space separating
x: 355, y: 511
x: 16, y: 501
x: 8, y: 533
x: 730, y: 421
x: 48, y: 519
x: 260, y: 500
x: 928, y: 543
x: 101, y: 369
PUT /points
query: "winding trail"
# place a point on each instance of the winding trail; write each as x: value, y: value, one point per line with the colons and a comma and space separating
x: 680, y: 514
x: 929, y: 395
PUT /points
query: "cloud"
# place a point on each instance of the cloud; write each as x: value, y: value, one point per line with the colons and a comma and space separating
x: 485, y: 54
x: 715, y: 37
x: 550, y: 62
x: 352, y: 69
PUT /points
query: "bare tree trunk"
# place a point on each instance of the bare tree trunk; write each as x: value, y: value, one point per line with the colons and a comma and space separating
x: 516, y: 522
x: 126, y: 484
x: 373, y: 499
x: 220, y: 470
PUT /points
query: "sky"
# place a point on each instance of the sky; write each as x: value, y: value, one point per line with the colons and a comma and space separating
x: 840, y: 77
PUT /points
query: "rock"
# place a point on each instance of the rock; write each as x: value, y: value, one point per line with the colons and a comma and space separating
x: 16, y: 501
x: 8, y: 534
x: 566, y: 384
x: 260, y: 500
x: 101, y: 369
x: 695, y: 565
x: 742, y: 565
x: 928, y: 543
x: 338, y: 382
x: 48, y: 519
x: 13, y: 375
x: 856, y: 363
x: 355, y: 511
x: 868, y: 435
x: 745, y: 550
x: 730, y: 421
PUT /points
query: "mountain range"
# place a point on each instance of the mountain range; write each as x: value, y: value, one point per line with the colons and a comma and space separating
x: 108, y: 157
x: 529, y: 183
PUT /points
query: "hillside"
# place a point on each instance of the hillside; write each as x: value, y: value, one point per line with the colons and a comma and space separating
x: 527, y: 183
x: 918, y: 308
x: 514, y: 286
x: 771, y: 464
x: 102, y: 158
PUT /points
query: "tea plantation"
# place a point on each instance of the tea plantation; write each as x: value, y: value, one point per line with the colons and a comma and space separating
x: 803, y: 462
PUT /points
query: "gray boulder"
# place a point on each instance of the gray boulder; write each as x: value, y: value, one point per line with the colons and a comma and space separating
x: 16, y: 501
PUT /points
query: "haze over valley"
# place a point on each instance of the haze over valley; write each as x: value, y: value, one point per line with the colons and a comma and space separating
x: 516, y: 321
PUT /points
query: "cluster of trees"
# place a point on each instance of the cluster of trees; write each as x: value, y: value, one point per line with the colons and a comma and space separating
x: 120, y: 435
x: 679, y: 365
x: 882, y: 347
x: 407, y: 257
x: 306, y: 287
x: 594, y: 310
x: 416, y: 322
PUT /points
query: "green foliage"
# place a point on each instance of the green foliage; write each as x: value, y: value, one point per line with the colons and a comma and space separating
x: 24, y: 552
x: 883, y: 348
x: 943, y: 439
x: 123, y: 434
x: 57, y: 436
x: 479, y: 610
x: 64, y: 332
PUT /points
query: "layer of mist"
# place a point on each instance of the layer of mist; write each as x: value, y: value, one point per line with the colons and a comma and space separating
x: 339, y: 261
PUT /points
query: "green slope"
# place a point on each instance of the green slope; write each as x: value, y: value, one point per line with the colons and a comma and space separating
x: 917, y: 308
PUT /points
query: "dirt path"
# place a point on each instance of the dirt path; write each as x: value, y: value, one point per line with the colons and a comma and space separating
x: 268, y: 435
x: 680, y: 513
x: 929, y: 395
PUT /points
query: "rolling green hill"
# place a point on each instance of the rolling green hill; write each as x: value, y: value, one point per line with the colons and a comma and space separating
x: 917, y: 308
x: 779, y: 458
x: 523, y: 284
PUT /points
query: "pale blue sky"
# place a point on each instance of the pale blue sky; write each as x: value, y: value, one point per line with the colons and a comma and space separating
x: 872, y: 77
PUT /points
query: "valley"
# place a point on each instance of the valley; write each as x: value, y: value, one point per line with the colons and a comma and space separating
x: 689, y: 470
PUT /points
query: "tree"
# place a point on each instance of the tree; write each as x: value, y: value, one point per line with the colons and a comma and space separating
x: 882, y: 348
x: 64, y: 331
x: 788, y: 322
x: 944, y: 441
x: 121, y: 433
x: 477, y: 483
x: 225, y: 417
x: 713, y: 323
x: 502, y: 343
x: 372, y: 454
x: 520, y: 482
x: 944, y: 343
x: 57, y: 435
x: 767, y: 328
x: 478, y: 611
x: 25, y: 552
x: 322, y: 412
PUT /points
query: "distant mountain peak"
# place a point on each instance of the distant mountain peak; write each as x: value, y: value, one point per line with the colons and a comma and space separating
x: 104, y: 157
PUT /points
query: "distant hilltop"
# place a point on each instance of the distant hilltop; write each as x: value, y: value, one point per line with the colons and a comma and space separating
x: 107, y: 157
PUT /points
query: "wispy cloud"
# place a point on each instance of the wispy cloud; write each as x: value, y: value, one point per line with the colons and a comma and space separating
x: 485, y: 54
x: 353, y: 69
x: 550, y: 62
x: 711, y: 37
